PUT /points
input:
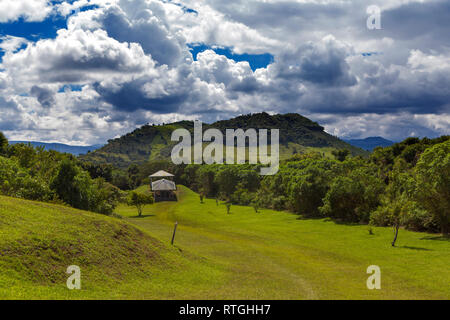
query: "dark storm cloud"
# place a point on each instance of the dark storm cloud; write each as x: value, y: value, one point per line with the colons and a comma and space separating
x: 322, y: 63
x: 130, y: 97
x: 45, y: 96
x: 247, y: 85
x: 150, y: 33
x: 429, y: 21
x: 285, y: 14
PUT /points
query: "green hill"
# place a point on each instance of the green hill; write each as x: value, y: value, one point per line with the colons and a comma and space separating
x: 297, y: 135
x: 38, y: 241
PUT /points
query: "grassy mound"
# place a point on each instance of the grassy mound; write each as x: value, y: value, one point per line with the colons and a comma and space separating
x: 38, y: 241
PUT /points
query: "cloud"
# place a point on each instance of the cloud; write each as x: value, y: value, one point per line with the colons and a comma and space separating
x: 322, y: 63
x: 36, y: 10
x: 148, y: 30
x: 396, y: 126
x: 11, y: 43
x: 9, y: 114
x: 46, y: 97
x: 77, y: 56
x: 132, y: 65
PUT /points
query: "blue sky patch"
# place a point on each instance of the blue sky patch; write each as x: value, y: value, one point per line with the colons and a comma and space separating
x: 72, y: 87
x: 34, y: 31
x: 256, y: 61
x: 184, y: 8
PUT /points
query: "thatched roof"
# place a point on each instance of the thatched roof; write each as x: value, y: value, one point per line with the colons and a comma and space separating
x: 161, y: 174
x: 164, y: 185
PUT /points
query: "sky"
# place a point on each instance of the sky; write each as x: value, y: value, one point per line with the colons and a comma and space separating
x: 85, y: 71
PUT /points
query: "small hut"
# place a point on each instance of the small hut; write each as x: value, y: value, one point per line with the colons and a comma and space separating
x: 164, y: 187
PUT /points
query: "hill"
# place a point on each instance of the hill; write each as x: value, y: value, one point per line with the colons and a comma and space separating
x: 370, y: 143
x: 38, y: 241
x: 63, y: 148
x: 152, y: 142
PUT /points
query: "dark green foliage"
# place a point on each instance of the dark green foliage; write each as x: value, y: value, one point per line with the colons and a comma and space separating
x: 353, y: 196
x: 104, y: 171
x: 133, y: 176
x: 75, y: 187
x: 67, y: 185
x: 205, y: 179
x: 3, y: 144
x: 32, y: 173
x: 341, y: 155
x: 309, y: 186
x: 433, y: 183
x: 227, y: 180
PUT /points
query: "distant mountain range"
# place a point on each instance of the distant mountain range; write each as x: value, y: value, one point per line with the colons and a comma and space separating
x: 370, y: 143
x: 153, y: 142
x: 64, y: 148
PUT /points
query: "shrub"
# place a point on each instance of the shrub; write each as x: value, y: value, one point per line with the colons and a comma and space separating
x: 139, y: 200
x: 352, y: 198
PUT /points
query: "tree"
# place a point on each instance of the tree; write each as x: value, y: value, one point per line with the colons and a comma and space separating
x: 227, y: 179
x: 340, y: 155
x: 201, y: 197
x: 433, y: 183
x: 353, y: 197
x: 3, y: 144
x: 139, y: 200
x: 205, y: 179
x: 133, y: 176
x: 393, y: 213
x: 65, y: 186
x: 228, y: 205
x: 307, y: 190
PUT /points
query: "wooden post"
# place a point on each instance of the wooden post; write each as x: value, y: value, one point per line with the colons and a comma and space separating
x: 174, y: 231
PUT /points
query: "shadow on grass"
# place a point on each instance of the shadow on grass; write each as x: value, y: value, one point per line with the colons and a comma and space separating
x: 309, y: 218
x: 438, y: 238
x: 415, y: 248
x: 143, y: 216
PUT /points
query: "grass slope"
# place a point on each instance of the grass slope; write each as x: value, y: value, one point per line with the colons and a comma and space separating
x: 276, y: 255
x: 38, y: 241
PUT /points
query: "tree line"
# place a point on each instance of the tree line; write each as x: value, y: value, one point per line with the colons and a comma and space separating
x: 36, y: 174
x: 406, y: 184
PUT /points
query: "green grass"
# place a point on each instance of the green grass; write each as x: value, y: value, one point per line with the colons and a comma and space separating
x: 38, y: 241
x: 243, y: 255
x: 276, y: 255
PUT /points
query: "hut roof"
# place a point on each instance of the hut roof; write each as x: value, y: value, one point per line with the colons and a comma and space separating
x: 161, y: 174
x: 164, y: 185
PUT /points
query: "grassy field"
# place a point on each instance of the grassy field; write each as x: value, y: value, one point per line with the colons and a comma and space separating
x: 243, y: 255
x: 277, y: 255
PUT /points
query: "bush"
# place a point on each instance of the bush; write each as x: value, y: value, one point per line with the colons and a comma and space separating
x: 139, y: 200
x: 3, y: 144
x: 352, y: 198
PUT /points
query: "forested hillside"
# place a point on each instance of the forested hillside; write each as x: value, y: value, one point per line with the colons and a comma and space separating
x: 153, y: 142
